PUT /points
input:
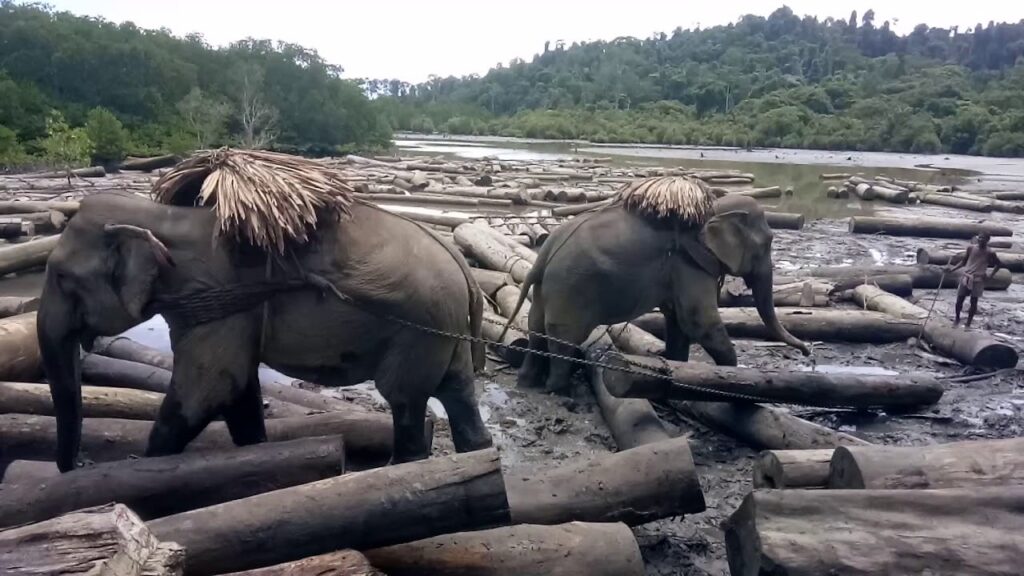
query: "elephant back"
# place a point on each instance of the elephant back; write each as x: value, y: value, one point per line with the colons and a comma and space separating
x: 669, y: 199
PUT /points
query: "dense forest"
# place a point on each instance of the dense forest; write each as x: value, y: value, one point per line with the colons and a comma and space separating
x: 73, y: 87
x: 849, y: 83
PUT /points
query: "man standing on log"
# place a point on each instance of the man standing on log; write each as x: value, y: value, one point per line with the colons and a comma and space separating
x: 976, y: 260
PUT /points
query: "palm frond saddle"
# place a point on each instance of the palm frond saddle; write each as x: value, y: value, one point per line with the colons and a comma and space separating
x: 668, y: 198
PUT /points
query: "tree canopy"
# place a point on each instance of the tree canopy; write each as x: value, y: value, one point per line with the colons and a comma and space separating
x: 837, y: 83
x: 146, y: 91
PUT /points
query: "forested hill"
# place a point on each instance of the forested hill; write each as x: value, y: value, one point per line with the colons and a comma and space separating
x: 848, y: 83
x: 145, y: 91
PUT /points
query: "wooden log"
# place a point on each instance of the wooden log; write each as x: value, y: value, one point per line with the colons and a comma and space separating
x: 367, y: 442
x: 106, y: 540
x: 572, y: 549
x: 490, y: 251
x: 809, y: 532
x: 635, y: 486
x: 634, y: 340
x: 338, y: 563
x: 157, y: 487
x: 898, y: 284
x: 51, y: 222
x: 15, y: 305
x: 87, y: 172
x: 952, y: 201
x: 838, y: 193
x: 123, y: 348
x: 834, y: 176
x: 765, y: 428
x: 68, y: 208
x: 769, y: 192
x: 492, y: 327
x: 1008, y: 195
x: 890, y: 194
x: 149, y: 164
x: 19, y: 349
x: 784, y: 220
x: 924, y: 276
x: 807, y: 293
x: 579, y: 209
x: 792, y: 468
x: 438, y: 218
x: 925, y: 227
x: 490, y: 281
x: 517, y: 248
x: 864, y: 191
x: 12, y: 228
x: 113, y: 372
x: 699, y: 381
x: 631, y: 421
x: 975, y: 463
x: 97, y: 402
x: 381, y: 507
x: 32, y: 472
x: 26, y: 255
x: 506, y: 299
x: 1012, y: 261
x: 419, y: 199
x: 973, y: 348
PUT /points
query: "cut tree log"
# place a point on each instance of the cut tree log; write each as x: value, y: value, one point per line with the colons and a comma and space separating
x: 890, y: 194
x: 13, y: 228
x: 157, y: 487
x: 1012, y: 261
x: 113, y: 372
x: 15, y: 305
x: 1009, y: 195
x: 784, y: 220
x: 973, y: 348
x: 864, y: 191
x: 123, y: 348
x: 975, y: 463
x: 506, y: 299
x: 699, y: 381
x: 924, y: 276
x: 479, y: 242
x: 381, y: 507
x: 925, y: 227
x: 898, y: 284
x: 51, y: 222
x: 106, y: 540
x: 765, y: 428
x: 769, y: 192
x: 792, y: 468
x: 634, y: 340
x: 953, y: 201
x: 87, y: 172
x: 367, y: 442
x: 838, y: 193
x: 27, y: 255
x: 339, y: 563
x: 67, y: 208
x: 635, y: 486
x: 972, y: 531
x: 632, y: 422
x: 19, y: 349
x: 517, y: 248
x: 27, y: 472
x: 97, y: 402
x: 490, y: 281
x: 492, y: 327
x: 149, y: 164
x: 579, y: 209
x: 573, y: 549
x: 808, y: 293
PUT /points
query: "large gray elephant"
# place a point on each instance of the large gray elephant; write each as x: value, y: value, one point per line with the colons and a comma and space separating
x: 124, y: 258
x: 612, y: 265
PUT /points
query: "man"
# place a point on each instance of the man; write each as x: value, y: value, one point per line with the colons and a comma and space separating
x: 977, y: 259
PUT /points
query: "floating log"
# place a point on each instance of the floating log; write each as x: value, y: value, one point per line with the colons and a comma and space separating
x: 51, y: 222
x: 156, y: 487
x: 491, y: 252
x: 975, y: 463
x: 367, y: 442
x: 26, y: 255
x: 953, y: 531
x: 635, y: 486
x: 1012, y: 261
x: 973, y: 348
x: 784, y: 220
x: 573, y: 549
x: 339, y: 563
x: 765, y: 428
x: 381, y: 507
x: 924, y: 276
x: 67, y: 208
x: 953, y: 201
x: 490, y: 281
x: 925, y: 227
x: 699, y: 381
x: 106, y: 540
x: 792, y: 468
x: 19, y: 349
x: 631, y: 421
x: 27, y: 472
x: 97, y: 402
x: 149, y: 164
x: 492, y: 327
x: 15, y: 305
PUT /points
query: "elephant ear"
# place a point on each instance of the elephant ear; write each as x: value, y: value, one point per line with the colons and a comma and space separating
x: 139, y: 256
x: 726, y: 235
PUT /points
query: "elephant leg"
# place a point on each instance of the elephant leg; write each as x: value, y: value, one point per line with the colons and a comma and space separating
x: 715, y: 340
x: 532, y: 372
x: 458, y: 396
x: 560, y: 371
x: 244, y: 417
x: 677, y: 342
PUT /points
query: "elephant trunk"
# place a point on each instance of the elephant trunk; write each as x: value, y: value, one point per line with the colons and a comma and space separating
x: 761, y: 285
x: 58, y: 344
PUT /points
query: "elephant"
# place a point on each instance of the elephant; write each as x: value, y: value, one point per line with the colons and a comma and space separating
x: 610, y: 265
x: 120, y: 257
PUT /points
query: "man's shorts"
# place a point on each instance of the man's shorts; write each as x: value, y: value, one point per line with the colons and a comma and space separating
x: 974, y: 286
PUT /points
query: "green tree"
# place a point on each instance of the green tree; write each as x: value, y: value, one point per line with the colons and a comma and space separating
x: 205, y: 118
x: 11, y: 152
x: 66, y: 148
x: 108, y: 136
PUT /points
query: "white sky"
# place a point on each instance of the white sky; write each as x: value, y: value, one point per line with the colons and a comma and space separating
x: 411, y: 39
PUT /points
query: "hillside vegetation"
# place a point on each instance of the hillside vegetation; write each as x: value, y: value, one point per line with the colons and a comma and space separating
x: 849, y: 83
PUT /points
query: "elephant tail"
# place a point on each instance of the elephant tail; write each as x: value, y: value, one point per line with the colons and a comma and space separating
x: 528, y: 282
x: 476, y: 318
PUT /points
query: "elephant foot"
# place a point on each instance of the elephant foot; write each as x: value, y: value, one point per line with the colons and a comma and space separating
x: 560, y: 386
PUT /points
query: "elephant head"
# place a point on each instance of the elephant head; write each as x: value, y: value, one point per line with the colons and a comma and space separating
x: 739, y: 236
x: 98, y: 282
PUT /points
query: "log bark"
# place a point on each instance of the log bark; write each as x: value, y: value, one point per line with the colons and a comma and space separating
x: 925, y: 227
x: 784, y: 220
x: 490, y: 281
x: 490, y: 251
x: 367, y: 442
x: 105, y: 371
x: 506, y: 299
x: 864, y: 191
x: 97, y: 402
x: 766, y: 428
x: 973, y: 348
x: 972, y: 531
x: 123, y: 348
x: 67, y: 208
x: 891, y: 195
x: 107, y: 540
x: 380, y: 507
x: 792, y: 468
x: 632, y: 422
x: 149, y: 164
x: 1012, y: 261
x: 27, y: 472
x: 492, y: 327
x: 924, y: 276
x: 699, y: 381
x: 26, y: 255
x: 976, y: 463
x: 573, y: 549
x: 635, y: 486
x: 51, y: 222
x: 517, y: 248
x: 340, y: 563
x: 952, y: 201
x: 19, y: 349
x: 837, y: 193
x: 15, y: 305
x: 157, y: 487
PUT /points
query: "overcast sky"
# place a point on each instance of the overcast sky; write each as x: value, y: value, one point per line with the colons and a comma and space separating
x: 411, y: 39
